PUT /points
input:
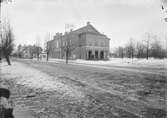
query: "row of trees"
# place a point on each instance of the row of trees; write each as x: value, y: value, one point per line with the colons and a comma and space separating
x: 150, y: 47
x: 27, y: 51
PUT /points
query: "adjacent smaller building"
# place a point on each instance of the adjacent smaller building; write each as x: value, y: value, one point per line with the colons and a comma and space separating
x: 84, y: 43
x: 43, y: 56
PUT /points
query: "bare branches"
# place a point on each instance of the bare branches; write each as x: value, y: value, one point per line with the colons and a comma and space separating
x: 46, y: 45
x: 151, y: 46
x: 147, y: 40
x: 38, y: 46
x: 7, y: 41
x: 68, y: 45
x: 130, y: 48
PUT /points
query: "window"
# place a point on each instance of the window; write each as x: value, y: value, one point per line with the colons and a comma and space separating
x: 57, y: 44
x: 102, y: 44
x: 89, y: 43
x: 96, y: 43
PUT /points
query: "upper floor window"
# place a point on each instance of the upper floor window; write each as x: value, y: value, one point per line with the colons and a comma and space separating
x: 96, y: 43
x: 89, y: 43
x: 102, y: 44
x: 57, y: 44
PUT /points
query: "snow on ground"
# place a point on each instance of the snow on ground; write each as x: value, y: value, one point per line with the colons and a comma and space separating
x: 126, y: 61
x: 118, y: 62
x: 35, y: 79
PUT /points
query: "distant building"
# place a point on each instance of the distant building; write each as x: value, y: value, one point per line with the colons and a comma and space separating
x: 26, y: 53
x: 43, y: 56
x: 29, y: 51
x: 86, y: 42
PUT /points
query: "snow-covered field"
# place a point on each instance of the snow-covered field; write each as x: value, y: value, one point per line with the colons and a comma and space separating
x: 117, y: 61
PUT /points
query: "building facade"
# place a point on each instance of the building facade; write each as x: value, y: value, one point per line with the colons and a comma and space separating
x: 84, y: 43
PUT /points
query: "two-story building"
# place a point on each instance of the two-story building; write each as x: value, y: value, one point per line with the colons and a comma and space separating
x: 84, y: 43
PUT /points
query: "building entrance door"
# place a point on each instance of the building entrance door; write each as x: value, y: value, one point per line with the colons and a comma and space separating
x: 102, y: 55
x: 96, y: 54
x: 90, y: 54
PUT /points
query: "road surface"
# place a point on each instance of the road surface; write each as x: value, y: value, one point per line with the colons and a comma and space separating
x: 106, y: 91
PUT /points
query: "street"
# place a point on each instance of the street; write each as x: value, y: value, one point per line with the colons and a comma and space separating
x: 58, y: 90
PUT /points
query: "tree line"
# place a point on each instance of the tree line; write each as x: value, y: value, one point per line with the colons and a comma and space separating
x: 150, y: 47
x: 27, y: 51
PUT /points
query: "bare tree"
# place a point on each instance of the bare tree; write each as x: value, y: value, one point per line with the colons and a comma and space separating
x: 7, y: 42
x: 140, y: 50
x: 68, y: 46
x: 121, y: 52
x: 1, y: 50
x: 147, y: 45
x: 47, y: 46
x: 130, y: 49
x: 156, y: 48
x: 38, y: 47
x: 19, y: 51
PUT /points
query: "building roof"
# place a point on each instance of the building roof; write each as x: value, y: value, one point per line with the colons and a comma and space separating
x: 88, y: 28
x: 83, y: 30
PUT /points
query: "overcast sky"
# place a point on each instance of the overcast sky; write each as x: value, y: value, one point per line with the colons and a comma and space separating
x: 118, y: 19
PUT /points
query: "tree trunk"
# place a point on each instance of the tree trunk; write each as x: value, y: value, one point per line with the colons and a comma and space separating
x: 147, y: 49
x: 8, y: 60
x: 47, y: 58
x: 38, y: 57
x: 147, y: 54
x: 122, y: 55
x: 67, y: 57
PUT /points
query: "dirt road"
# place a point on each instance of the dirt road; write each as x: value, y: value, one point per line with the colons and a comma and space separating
x: 76, y: 91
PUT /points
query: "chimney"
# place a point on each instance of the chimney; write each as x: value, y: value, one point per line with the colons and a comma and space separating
x: 88, y: 23
x: 57, y: 34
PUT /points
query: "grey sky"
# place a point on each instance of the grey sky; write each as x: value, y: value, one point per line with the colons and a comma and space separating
x: 118, y: 19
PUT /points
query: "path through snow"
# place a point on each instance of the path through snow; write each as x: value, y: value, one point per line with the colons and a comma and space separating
x: 35, y: 79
